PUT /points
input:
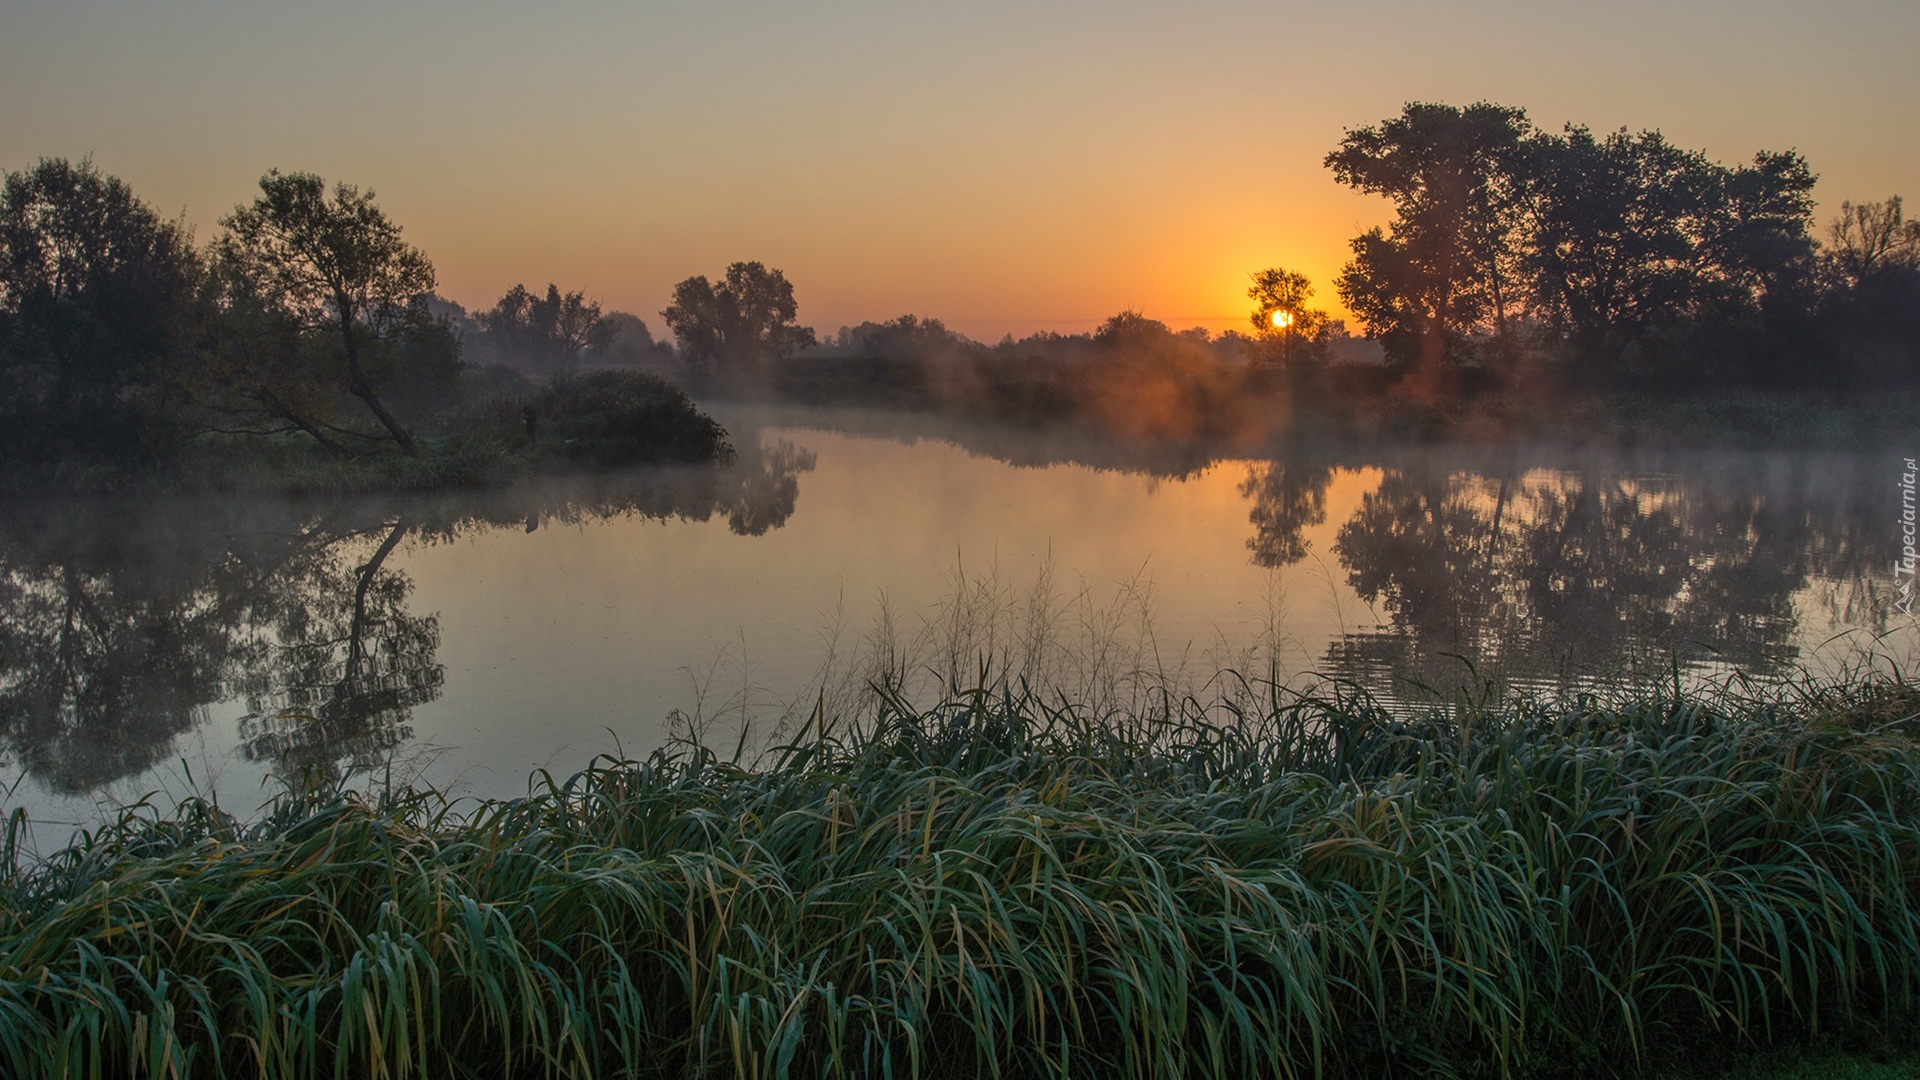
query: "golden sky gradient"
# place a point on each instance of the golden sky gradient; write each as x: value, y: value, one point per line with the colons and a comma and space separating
x: 1005, y: 167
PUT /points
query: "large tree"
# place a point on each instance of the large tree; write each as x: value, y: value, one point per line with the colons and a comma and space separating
x: 1614, y: 245
x: 1871, y: 307
x: 93, y: 289
x: 1443, y: 267
x: 257, y: 373
x: 1760, y: 234
x: 748, y: 318
x: 337, y: 267
x: 1644, y: 255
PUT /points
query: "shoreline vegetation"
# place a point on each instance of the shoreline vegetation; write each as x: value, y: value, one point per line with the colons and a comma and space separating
x: 1659, y: 884
x: 1529, y: 283
x: 1226, y: 409
x: 590, y: 421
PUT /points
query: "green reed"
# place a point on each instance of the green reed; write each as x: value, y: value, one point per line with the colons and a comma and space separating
x: 999, y: 886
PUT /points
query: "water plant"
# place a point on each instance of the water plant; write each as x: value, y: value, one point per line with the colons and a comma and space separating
x: 998, y: 885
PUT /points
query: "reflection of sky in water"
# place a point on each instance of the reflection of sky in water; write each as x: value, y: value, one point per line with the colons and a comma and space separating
x: 507, y: 650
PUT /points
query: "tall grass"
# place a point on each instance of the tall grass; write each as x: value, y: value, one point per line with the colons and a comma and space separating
x: 998, y: 886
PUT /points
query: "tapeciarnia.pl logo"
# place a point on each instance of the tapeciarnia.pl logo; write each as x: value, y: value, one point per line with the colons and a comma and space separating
x: 1903, y: 569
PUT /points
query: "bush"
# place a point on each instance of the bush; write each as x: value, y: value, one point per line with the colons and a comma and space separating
x: 608, y: 417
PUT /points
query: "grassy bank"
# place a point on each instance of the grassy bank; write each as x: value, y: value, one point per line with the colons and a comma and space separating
x: 999, y: 887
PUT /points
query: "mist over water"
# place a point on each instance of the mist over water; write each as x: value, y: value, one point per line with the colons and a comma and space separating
x: 175, y: 643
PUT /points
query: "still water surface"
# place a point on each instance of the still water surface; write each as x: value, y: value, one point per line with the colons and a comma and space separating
x: 215, y: 644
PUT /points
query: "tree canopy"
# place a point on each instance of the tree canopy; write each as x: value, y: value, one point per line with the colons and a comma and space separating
x: 1443, y: 265
x: 95, y: 293
x: 748, y: 318
x: 334, y: 266
x: 1287, y: 329
x: 1867, y: 238
x: 1637, y: 256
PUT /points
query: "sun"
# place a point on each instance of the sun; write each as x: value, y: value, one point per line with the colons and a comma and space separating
x: 1282, y: 319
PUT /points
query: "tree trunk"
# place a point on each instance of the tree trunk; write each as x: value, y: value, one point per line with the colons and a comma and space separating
x: 357, y: 627
x: 358, y: 386
x: 1431, y: 378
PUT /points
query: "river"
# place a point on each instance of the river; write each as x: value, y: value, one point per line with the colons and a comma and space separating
x: 166, y: 645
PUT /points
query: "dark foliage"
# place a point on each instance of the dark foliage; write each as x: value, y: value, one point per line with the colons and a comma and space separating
x: 544, y: 334
x: 334, y: 265
x: 95, y: 293
x: 1616, y: 261
x: 612, y: 417
x: 730, y: 330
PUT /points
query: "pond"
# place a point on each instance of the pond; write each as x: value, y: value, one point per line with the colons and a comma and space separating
x: 178, y: 644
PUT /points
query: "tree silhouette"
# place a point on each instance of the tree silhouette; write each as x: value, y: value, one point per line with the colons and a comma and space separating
x: 1616, y: 226
x: 1867, y: 238
x: 1287, y: 330
x: 95, y: 293
x: 1444, y: 264
x: 748, y: 318
x: 549, y: 331
x: 335, y: 267
x: 1872, y: 303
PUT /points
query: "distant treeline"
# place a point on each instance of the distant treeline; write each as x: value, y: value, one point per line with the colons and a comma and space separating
x: 1520, y: 265
x: 1523, y: 258
x: 1132, y: 376
x: 1517, y: 259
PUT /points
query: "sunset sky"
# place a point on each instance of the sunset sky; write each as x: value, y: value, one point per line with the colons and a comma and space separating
x: 1003, y: 166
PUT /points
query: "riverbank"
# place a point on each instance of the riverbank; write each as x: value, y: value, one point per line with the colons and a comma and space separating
x: 1200, y: 401
x: 998, y: 885
x: 587, y: 422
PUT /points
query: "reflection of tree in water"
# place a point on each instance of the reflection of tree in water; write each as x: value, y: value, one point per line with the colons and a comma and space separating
x: 350, y: 665
x: 1288, y: 499
x: 758, y: 492
x: 122, y: 621
x: 769, y: 488
x: 1426, y: 548
x: 102, y: 665
x: 1551, y: 575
